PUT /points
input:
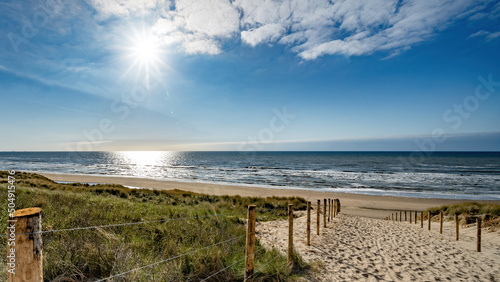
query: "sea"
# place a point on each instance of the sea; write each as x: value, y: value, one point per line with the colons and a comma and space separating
x: 448, y: 175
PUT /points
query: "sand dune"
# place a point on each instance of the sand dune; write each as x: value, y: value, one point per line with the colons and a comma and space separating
x: 354, y: 248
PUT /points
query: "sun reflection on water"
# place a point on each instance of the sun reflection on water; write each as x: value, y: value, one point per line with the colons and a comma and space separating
x: 147, y: 163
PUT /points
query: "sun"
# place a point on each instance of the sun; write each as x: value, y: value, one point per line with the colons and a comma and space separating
x: 144, y: 52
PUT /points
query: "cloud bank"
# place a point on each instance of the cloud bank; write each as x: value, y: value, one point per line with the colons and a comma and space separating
x: 311, y: 28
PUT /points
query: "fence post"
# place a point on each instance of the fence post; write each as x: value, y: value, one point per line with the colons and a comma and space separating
x: 405, y: 217
x: 334, y: 208
x: 456, y: 227
x: 329, y: 209
x: 429, y: 221
x: 392, y: 216
x: 338, y: 206
x: 421, y: 219
x: 290, y: 234
x: 324, y: 213
x: 478, y: 242
x: 441, y: 222
x: 400, y: 216
x: 411, y: 221
x: 250, y: 244
x: 318, y: 211
x: 396, y: 216
x: 415, y: 217
x: 25, y: 261
x: 308, y: 223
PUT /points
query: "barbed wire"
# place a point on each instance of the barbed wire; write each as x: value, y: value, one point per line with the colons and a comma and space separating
x: 227, y: 267
x: 122, y: 224
x: 171, y: 258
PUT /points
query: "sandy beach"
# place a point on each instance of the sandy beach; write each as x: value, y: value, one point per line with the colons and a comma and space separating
x: 353, y: 204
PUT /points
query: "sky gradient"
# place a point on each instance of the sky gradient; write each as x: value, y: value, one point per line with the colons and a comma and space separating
x: 250, y: 75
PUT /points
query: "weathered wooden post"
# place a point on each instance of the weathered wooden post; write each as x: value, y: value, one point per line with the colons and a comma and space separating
x: 338, y: 206
x: 396, y: 216
x: 405, y: 217
x: 392, y: 216
x: 411, y: 221
x: 318, y: 211
x: 441, y: 222
x: 400, y: 215
x: 308, y: 223
x: 456, y: 227
x: 478, y: 242
x: 290, y: 234
x: 421, y: 219
x: 334, y: 208
x: 24, y: 259
x: 250, y: 244
x: 429, y: 220
x: 324, y: 213
x: 415, y: 217
x: 329, y: 209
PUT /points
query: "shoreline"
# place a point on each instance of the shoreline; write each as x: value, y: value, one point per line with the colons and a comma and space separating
x: 353, y: 204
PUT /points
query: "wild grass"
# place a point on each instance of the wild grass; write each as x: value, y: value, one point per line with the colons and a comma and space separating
x: 83, y: 255
x: 468, y: 212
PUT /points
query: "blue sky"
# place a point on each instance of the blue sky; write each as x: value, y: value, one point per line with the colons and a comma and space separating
x: 250, y: 75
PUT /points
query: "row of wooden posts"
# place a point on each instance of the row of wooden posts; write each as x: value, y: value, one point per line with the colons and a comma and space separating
x: 331, y: 208
x: 28, y: 261
x: 394, y: 217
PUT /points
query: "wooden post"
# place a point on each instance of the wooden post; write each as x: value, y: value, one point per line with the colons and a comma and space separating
x: 478, y: 242
x: 421, y: 219
x: 338, y: 206
x: 405, y: 217
x: 429, y: 220
x: 318, y: 211
x: 415, y: 217
x: 329, y: 209
x: 290, y: 234
x: 308, y: 223
x: 334, y: 208
x: 24, y: 259
x: 324, y: 213
x: 396, y: 216
x: 441, y: 222
x: 456, y: 227
x: 400, y: 215
x: 250, y: 244
x: 411, y: 221
x: 392, y: 216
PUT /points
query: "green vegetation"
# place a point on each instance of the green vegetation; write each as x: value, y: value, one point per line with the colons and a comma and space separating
x: 469, y: 211
x: 80, y: 255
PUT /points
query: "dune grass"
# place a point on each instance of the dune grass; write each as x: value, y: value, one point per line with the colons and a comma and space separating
x: 80, y: 255
x: 490, y: 213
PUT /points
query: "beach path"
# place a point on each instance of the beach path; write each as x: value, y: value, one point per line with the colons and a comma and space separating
x: 354, y: 248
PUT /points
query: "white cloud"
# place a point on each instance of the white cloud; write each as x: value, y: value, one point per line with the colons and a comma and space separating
x: 310, y: 28
x: 488, y: 36
x: 266, y: 33
x: 107, y: 8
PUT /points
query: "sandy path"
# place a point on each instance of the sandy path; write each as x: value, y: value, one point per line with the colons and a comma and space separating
x: 354, y: 248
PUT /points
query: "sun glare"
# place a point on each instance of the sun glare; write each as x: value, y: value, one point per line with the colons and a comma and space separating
x: 144, y: 51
